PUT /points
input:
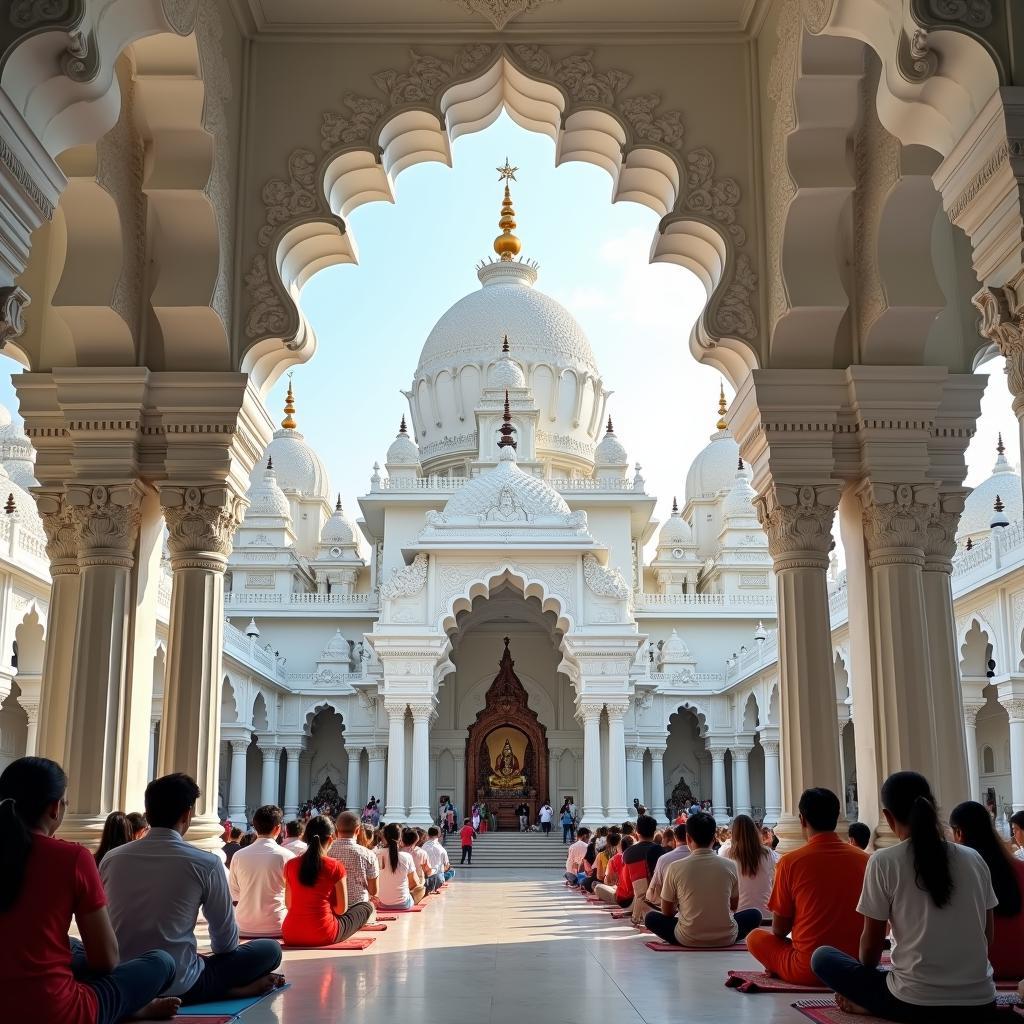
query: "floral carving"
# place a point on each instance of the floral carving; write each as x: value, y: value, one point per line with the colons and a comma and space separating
x: 295, y: 197
x: 201, y: 521
x: 181, y: 14
x: 13, y: 301
x: 715, y: 198
x: 666, y: 128
x: 1002, y: 322
x: 575, y: 73
x: 407, y: 581
x: 603, y: 580
x: 29, y: 13
x: 500, y: 12
x: 736, y: 314
x: 267, y: 314
x: 973, y: 13
x: 895, y: 517
x: 341, y: 130
x: 940, y: 532
x: 798, y: 522
x: 427, y: 74
x: 106, y: 520
x: 61, y: 534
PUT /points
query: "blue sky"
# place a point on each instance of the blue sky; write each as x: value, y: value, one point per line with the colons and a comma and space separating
x: 417, y: 257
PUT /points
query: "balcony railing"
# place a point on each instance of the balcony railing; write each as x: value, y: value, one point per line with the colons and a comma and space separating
x: 357, y: 602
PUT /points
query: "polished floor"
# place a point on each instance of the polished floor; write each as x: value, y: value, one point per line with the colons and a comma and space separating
x: 513, y: 948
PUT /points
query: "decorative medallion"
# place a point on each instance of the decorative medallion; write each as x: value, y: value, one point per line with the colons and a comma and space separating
x: 500, y: 12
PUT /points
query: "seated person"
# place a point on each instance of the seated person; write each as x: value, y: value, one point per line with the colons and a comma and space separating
x: 937, y: 897
x: 410, y: 845
x: 293, y: 838
x: 679, y: 852
x: 622, y: 894
x: 859, y: 835
x: 1017, y: 833
x: 608, y: 870
x: 117, y: 831
x: 173, y: 881
x: 138, y: 823
x: 45, y: 883
x: 397, y: 878
x: 319, y: 912
x: 639, y: 862
x: 755, y: 865
x: 359, y: 862
x: 704, y: 889
x: 972, y: 826
x: 438, y: 856
x: 256, y: 881
x: 574, y: 872
x: 592, y: 858
x: 814, y: 895
x: 233, y: 845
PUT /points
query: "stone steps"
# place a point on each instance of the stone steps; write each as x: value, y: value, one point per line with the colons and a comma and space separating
x: 513, y: 850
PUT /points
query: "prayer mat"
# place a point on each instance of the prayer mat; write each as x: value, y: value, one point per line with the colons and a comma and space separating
x: 347, y: 944
x: 759, y: 981
x: 386, y: 917
x: 224, y: 1009
x: 825, y: 1011
x: 668, y: 947
x: 411, y: 910
x: 187, y: 1018
x: 374, y: 928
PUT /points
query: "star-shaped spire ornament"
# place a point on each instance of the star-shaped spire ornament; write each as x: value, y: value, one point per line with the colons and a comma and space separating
x: 506, y: 173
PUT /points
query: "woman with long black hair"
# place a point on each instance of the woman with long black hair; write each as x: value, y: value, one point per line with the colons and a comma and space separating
x: 117, y: 830
x: 938, y: 899
x: 972, y: 826
x: 397, y: 876
x: 44, y: 883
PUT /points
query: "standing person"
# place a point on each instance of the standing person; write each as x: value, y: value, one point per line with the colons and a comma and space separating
x: 565, y: 820
x: 546, y: 813
x: 397, y: 872
x: 937, y: 898
x: 257, y: 877
x: 157, y: 887
x: 523, y: 814
x: 466, y: 834
x: 476, y: 818
x: 972, y: 827
x: 485, y: 817
x: 117, y: 830
x: 574, y: 814
x: 44, y: 884
x: 361, y: 867
x: 319, y: 912
x: 755, y: 865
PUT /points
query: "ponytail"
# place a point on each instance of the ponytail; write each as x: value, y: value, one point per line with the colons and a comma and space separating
x: 27, y: 787
x: 908, y: 798
x: 392, y: 833
x: 317, y: 835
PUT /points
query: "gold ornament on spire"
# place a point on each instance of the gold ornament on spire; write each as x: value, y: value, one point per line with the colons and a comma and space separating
x: 289, y: 408
x: 507, y: 245
x: 721, y: 424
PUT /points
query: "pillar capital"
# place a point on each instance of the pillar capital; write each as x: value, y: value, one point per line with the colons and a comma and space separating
x: 798, y: 522
x: 635, y: 753
x: 106, y: 519
x: 61, y: 532
x: 657, y: 752
x: 1014, y: 707
x: 201, y: 522
x: 376, y: 753
x: 971, y: 710
x: 294, y: 751
x: 395, y: 708
x: 589, y: 711
x: 770, y: 747
x: 896, y: 518
x: 940, y: 532
x: 717, y: 751
x: 13, y: 302
x: 1002, y: 322
x: 271, y: 752
x: 616, y: 710
x: 239, y: 746
x: 740, y: 753
x: 422, y: 711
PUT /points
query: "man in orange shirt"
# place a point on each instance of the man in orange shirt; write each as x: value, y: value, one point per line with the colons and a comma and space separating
x: 814, y: 896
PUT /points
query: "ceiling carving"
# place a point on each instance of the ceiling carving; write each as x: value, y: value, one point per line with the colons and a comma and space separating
x: 500, y: 12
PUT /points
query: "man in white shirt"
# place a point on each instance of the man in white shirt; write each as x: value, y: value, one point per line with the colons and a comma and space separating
x: 574, y: 858
x: 256, y: 881
x: 156, y: 888
x: 678, y: 852
x: 438, y: 856
x: 424, y: 872
x: 293, y: 838
x: 546, y: 814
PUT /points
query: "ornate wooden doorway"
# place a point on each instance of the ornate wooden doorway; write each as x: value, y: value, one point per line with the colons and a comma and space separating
x: 507, y: 750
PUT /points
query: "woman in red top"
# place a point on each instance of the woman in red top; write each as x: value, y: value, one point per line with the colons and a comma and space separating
x: 316, y: 895
x: 44, y: 883
x: 972, y: 826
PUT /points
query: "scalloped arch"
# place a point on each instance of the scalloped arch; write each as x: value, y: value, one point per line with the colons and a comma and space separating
x: 697, y: 711
x: 323, y: 704
x: 584, y: 109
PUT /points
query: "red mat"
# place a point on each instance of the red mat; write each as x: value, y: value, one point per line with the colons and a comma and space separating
x: 386, y: 917
x: 374, y: 928
x: 412, y: 910
x: 668, y: 947
x: 347, y: 944
x: 825, y: 1011
x: 184, y: 1018
x: 759, y: 981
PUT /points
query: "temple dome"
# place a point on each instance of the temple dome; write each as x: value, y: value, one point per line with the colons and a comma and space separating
x: 714, y: 468
x: 402, y: 452
x: 676, y: 531
x: 25, y: 512
x: 1004, y: 483
x: 17, y: 455
x: 297, y: 465
x: 506, y: 374
x: 265, y: 496
x: 610, y: 453
x: 337, y: 529
x: 739, y: 502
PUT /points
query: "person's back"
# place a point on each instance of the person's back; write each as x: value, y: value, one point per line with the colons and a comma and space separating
x: 257, y: 877
x: 361, y: 867
x: 680, y: 852
x: 702, y: 887
x: 310, y: 920
x: 397, y: 872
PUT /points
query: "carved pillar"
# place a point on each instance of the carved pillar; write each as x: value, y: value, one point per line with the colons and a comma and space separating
x: 200, y: 522
x: 419, y: 799
x: 376, y: 778
x: 617, y: 802
x: 772, y: 782
x: 718, y: 795
x: 31, y: 709
x: 58, y: 655
x: 895, y: 518
x: 291, y: 781
x: 396, y: 805
x: 354, y: 785
x: 798, y: 522
x: 658, y: 795
x: 954, y: 782
x: 741, y: 780
x: 459, y: 797
x: 971, y: 710
x: 635, y: 780
x: 269, y: 782
x: 1015, y: 709
x: 593, y: 811
x: 555, y: 755
x: 154, y: 752
x: 236, y: 783
x: 107, y: 521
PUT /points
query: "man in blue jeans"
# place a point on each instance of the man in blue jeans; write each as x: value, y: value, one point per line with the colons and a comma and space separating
x: 156, y: 888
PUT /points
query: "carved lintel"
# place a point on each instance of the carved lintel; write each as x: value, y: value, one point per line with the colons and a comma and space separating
x: 201, y: 522
x: 798, y: 522
x: 13, y: 301
x: 896, y: 518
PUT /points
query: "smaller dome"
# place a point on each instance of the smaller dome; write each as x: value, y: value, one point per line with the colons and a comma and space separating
x: 675, y: 646
x: 336, y: 646
x: 505, y: 373
x: 5, y: 416
x: 337, y: 529
x: 714, y: 468
x: 739, y: 503
x: 1005, y: 484
x: 610, y: 453
x: 676, y: 531
x: 24, y: 511
x: 298, y: 466
x: 265, y: 496
x: 403, y: 452
x: 16, y: 452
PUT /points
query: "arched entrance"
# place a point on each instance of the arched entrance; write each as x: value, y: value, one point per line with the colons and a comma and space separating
x: 507, y: 749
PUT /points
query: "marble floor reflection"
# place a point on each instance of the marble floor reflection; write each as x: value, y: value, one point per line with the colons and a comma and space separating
x: 505, y: 947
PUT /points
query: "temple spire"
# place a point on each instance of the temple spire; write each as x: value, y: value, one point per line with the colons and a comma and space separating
x: 675, y: 507
x: 337, y: 507
x: 289, y: 408
x: 611, y: 429
x: 507, y: 245
x: 506, y: 429
x: 1000, y: 447
x: 401, y: 426
x: 504, y: 349
x: 721, y: 424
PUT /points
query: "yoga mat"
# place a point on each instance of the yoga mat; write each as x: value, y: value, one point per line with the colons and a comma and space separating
x: 825, y: 1011
x: 412, y: 910
x: 188, y: 1018
x: 759, y: 981
x: 386, y: 917
x: 229, y: 1008
x: 668, y: 947
x: 374, y: 928
x: 347, y: 944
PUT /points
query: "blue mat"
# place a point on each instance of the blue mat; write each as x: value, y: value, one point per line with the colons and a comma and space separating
x: 226, y: 1007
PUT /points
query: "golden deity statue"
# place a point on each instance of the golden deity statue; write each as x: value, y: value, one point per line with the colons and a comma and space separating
x: 507, y: 770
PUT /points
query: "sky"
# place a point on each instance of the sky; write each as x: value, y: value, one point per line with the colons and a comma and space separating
x: 417, y: 257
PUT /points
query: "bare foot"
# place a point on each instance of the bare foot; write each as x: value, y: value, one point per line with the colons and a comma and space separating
x: 847, y: 1006
x: 259, y: 987
x: 158, y: 1009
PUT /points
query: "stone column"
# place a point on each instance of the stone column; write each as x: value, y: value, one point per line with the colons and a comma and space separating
x: 376, y: 777
x: 772, y: 782
x: 718, y: 793
x: 200, y: 522
x: 236, y: 783
x: 953, y: 782
x: 552, y: 794
x: 107, y: 521
x: 30, y: 705
x: 658, y: 795
x: 268, y: 783
x: 798, y: 522
x: 419, y: 809
x: 396, y: 805
x: 617, y: 802
x: 154, y: 752
x: 1014, y: 706
x: 741, y: 780
x: 58, y: 655
x: 635, y: 780
x: 291, y: 782
x: 593, y: 811
x: 971, y: 710
x: 354, y: 786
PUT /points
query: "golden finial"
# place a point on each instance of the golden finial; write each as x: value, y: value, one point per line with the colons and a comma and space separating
x: 289, y: 408
x: 721, y: 424
x: 507, y: 245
